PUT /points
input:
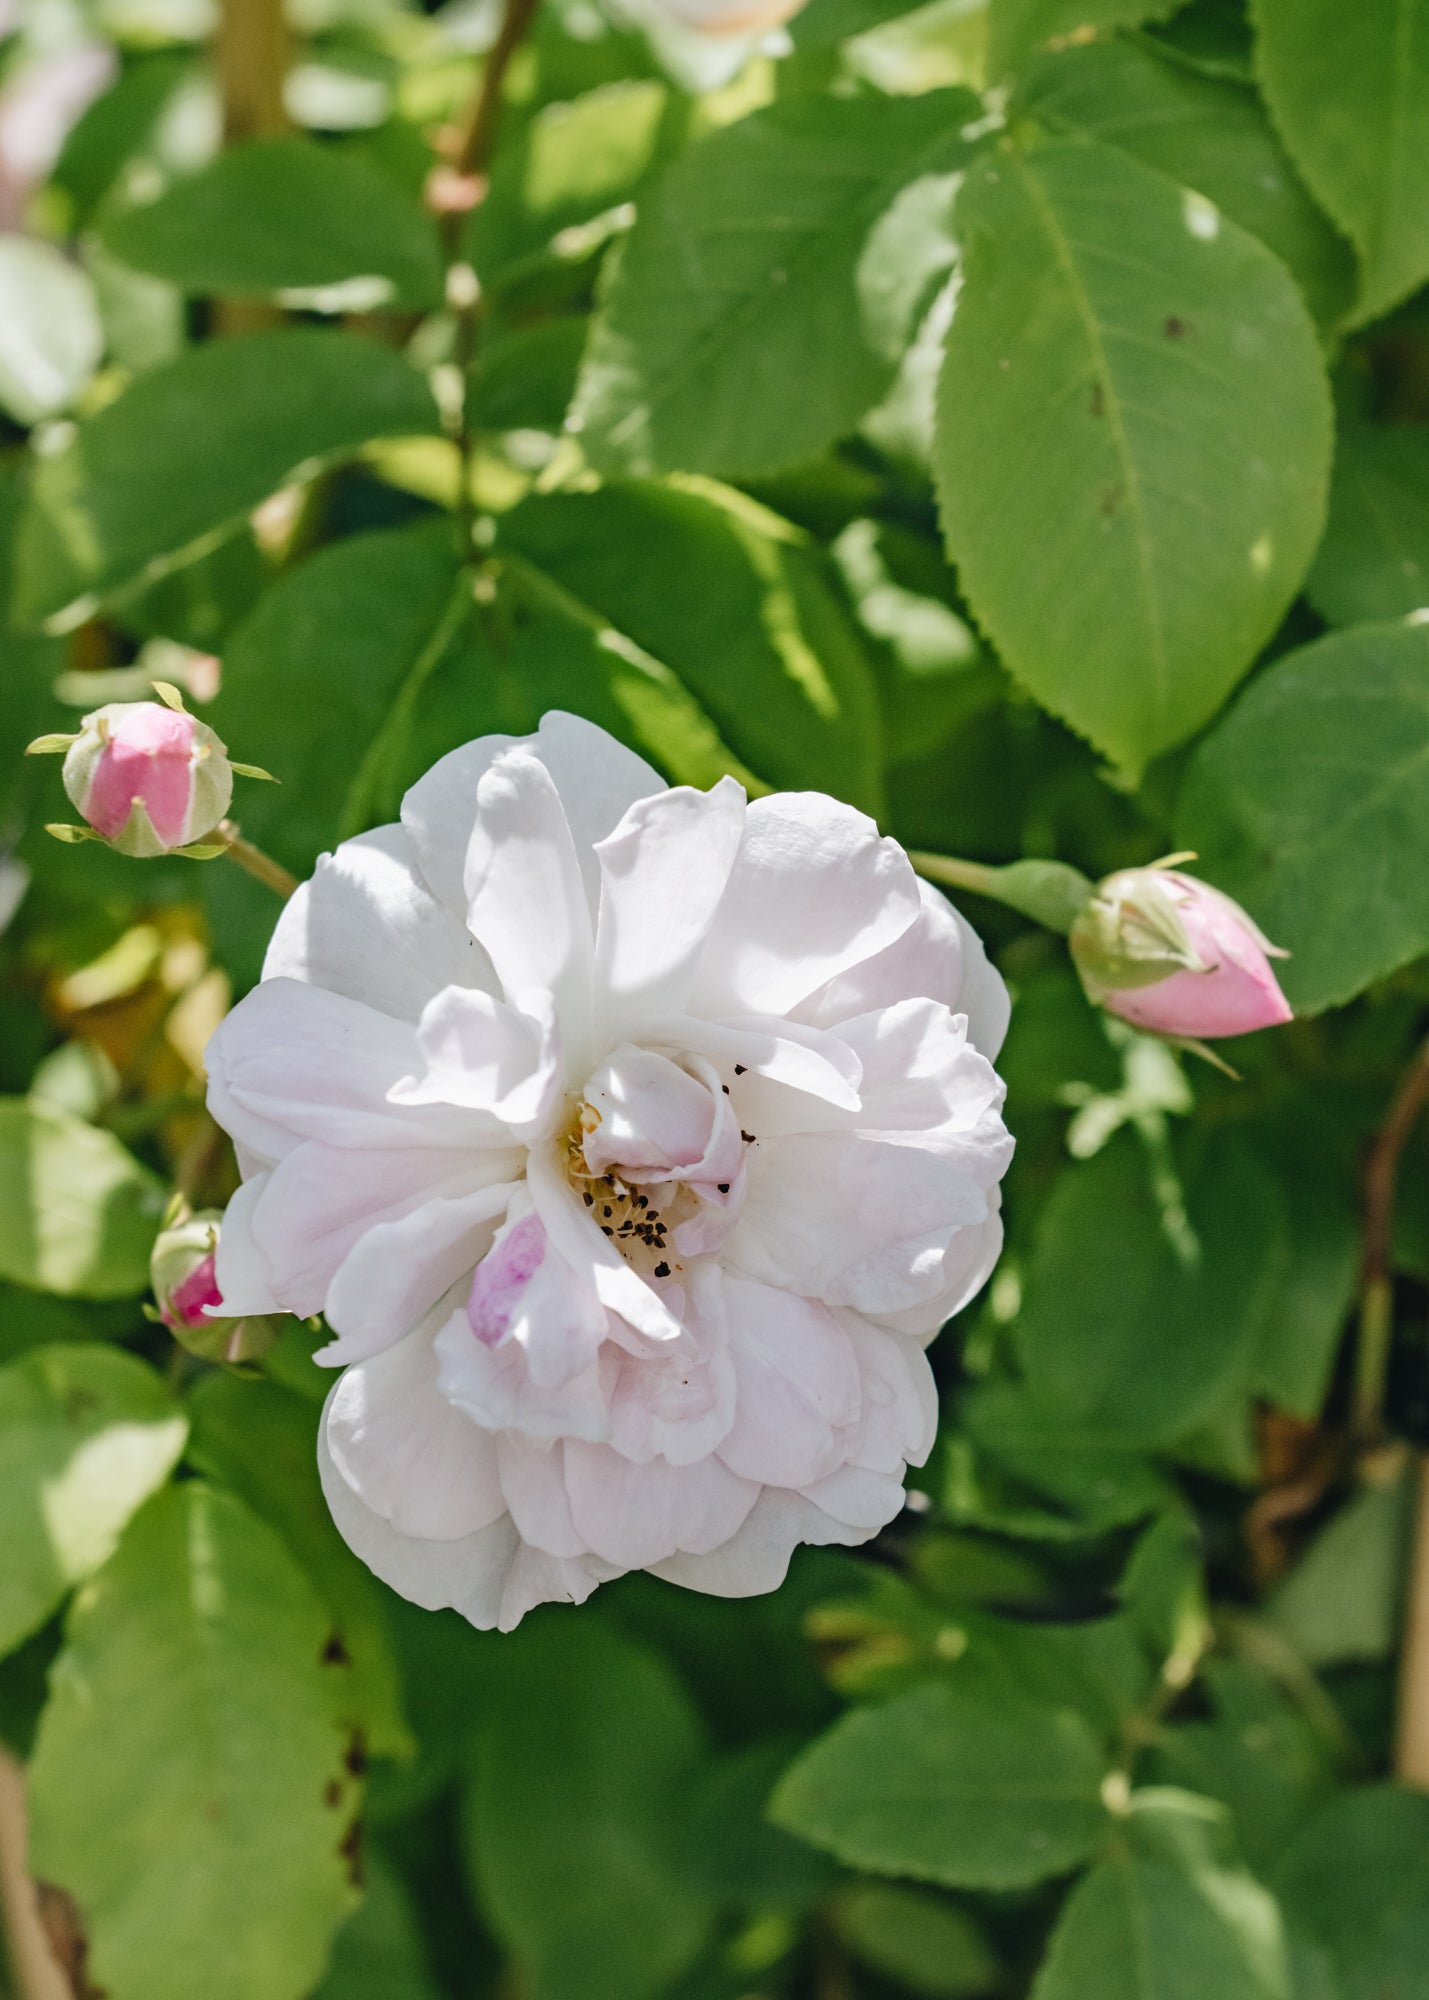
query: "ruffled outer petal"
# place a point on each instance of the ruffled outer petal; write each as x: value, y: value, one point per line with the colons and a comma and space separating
x: 814, y: 890
x: 491, y: 1577
x: 939, y: 957
x: 295, y: 1062
x: 405, y: 1452
x: 663, y: 872
x: 756, y: 1558
x: 597, y: 778
x: 368, y: 927
x: 318, y: 1204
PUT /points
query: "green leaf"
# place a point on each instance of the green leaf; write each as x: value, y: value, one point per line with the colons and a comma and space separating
x: 1132, y: 388
x: 1308, y: 805
x: 189, y: 449
x: 1374, y: 560
x: 121, y: 124
x: 585, y: 1744
x: 50, y: 336
x: 380, y: 1953
x: 755, y: 630
x: 1137, y: 1929
x: 924, y: 1944
x: 1017, y: 28
x: 1077, y: 1465
x: 1348, y: 88
x: 713, y: 349
x: 262, y: 1442
x: 950, y: 1785
x: 284, y: 215
x: 86, y: 1435
x: 575, y: 160
x: 1301, y: 1332
x: 1356, y: 1879
x: 1344, y: 1598
x: 78, y: 1214
x: 1209, y: 134
x: 1125, y: 1325
x: 542, y: 647
x: 188, y: 1787
x: 1259, y: 1756
x: 348, y: 627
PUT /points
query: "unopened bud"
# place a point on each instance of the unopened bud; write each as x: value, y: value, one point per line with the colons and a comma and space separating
x: 1175, y: 957
x: 146, y: 778
x: 181, y: 1271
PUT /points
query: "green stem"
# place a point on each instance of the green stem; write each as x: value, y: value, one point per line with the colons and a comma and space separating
x: 453, y: 191
x: 1050, y: 892
x: 1381, y: 1175
x: 253, y: 861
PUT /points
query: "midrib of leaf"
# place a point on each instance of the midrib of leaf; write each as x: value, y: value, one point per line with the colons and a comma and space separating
x: 1062, y: 250
x: 721, y: 329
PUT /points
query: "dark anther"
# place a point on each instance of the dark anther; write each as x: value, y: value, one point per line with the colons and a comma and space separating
x: 739, y: 1069
x: 723, y: 1186
x: 662, y: 1270
x: 748, y: 1138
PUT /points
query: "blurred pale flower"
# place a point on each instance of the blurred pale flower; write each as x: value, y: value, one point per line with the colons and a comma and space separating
x: 1176, y: 957
x: 705, y: 43
x: 635, y: 1142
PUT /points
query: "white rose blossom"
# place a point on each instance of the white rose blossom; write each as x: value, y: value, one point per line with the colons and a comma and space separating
x: 634, y: 1141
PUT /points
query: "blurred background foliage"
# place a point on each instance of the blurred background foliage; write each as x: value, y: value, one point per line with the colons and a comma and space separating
x: 1008, y: 415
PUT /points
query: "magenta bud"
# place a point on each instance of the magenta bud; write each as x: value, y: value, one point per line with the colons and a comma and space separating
x: 1175, y: 957
x: 189, y: 1302
x: 147, y: 778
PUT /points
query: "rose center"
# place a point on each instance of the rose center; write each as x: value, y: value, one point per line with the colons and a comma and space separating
x: 655, y: 1152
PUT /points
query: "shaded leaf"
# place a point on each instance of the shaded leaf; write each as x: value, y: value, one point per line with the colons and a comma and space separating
x: 584, y: 1746
x: 1348, y: 88
x: 1308, y: 805
x: 78, y: 1213
x: 87, y: 1433
x: 949, y: 1785
x: 1374, y: 560
x: 755, y: 630
x: 189, y: 449
x: 755, y: 242
x: 280, y: 215
x: 188, y: 1786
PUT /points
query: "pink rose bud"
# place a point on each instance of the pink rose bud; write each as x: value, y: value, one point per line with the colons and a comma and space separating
x: 181, y: 1271
x: 1175, y: 957
x: 148, y: 779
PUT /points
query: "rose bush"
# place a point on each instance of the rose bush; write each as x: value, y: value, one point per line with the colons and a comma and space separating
x: 634, y: 1142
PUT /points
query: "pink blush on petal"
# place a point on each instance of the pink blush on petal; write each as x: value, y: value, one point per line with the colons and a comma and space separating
x: 198, y: 1290
x: 501, y: 1277
x: 147, y: 761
